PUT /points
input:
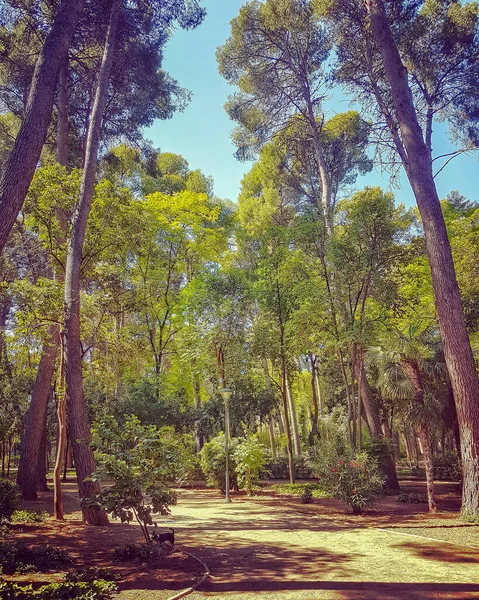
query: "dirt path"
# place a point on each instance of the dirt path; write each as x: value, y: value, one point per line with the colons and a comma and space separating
x: 276, y: 548
x: 263, y: 548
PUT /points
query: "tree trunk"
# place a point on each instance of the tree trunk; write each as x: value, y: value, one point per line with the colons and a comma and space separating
x: 457, y: 349
x: 42, y: 469
x: 284, y: 394
x: 371, y: 410
x: 294, y: 420
x: 36, y: 416
x: 61, y: 440
x: 426, y: 451
x: 76, y: 407
x: 412, y: 370
x: 29, y: 142
x: 313, y: 434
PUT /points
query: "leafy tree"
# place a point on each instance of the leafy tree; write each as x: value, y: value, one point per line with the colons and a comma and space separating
x: 139, y: 460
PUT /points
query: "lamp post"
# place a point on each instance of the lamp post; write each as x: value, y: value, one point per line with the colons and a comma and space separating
x: 226, y: 393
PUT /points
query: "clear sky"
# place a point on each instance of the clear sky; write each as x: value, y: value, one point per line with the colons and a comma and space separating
x: 202, y: 132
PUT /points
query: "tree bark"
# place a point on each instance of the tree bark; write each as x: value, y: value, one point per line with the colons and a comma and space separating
x: 29, y: 142
x: 61, y: 440
x: 313, y: 434
x: 294, y: 419
x: 457, y: 348
x: 371, y: 410
x: 76, y: 407
x: 36, y: 416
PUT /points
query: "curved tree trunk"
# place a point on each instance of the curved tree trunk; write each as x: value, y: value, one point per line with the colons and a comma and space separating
x: 76, y: 407
x: 457, y: 347
x: 29, y: 142
x: 371, y: 411
x: 294, y: 419
x: 36, y: 416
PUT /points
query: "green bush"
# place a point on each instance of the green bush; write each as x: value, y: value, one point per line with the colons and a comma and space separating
x: 352, y: 478
x: 136, y: 551
x: 28, y: 516
x: 92, y: 574
x: 297, y: 489
x: 250, y: 456
x: 279, y: 468
x: 213, y: 462
x: 18, y: 557
x: 9, y: 498
x: 139, y: 460
x: 412, y: 498
x: 91, y: 590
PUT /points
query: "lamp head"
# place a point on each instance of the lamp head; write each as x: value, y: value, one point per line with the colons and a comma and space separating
x: 226, y: 393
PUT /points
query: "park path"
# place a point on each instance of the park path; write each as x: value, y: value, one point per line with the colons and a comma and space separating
x: 269, y: 548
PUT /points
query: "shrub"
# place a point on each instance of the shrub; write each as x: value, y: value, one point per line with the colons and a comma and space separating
x: 352, y: 478
x: 298, y: 489
x: 213, y: 462
x: 84, y: 590
x: 279, y: 468
x: 28, y: 516
x: 9, y: 498
x: 138, y: 459
x: 412, y: 498
x: 18, y: 557
x: 250, y: 455
x: 92, y: 574
x: 137, y: 551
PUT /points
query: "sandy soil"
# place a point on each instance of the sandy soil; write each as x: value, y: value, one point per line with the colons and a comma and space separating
x: 273, y: 547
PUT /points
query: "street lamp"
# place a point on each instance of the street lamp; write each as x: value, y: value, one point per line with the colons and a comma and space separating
x: 226, y: 393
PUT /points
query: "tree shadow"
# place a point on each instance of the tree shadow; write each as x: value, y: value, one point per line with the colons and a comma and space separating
x: 453, y: 554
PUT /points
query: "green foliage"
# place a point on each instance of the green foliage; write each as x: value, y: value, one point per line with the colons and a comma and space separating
x: 91, y: 574
x: 139, y: 460
x: 250, y: 456
x: 29, y: 516
x: 91, y: 590
x: 313, y: 490
x: 143, y: 552
x: 351, y: 477
x: 213, y: 462
x: 9, y: 498
x: 412, y: 498
x: 19, y: 557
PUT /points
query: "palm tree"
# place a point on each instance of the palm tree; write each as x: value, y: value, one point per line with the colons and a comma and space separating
x: 404, y: 369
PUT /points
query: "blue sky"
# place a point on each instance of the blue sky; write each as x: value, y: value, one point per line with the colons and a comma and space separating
x: 202, y: 132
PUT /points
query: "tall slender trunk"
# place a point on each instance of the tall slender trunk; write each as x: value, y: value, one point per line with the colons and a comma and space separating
x: 313, y: 434
x: 284, y: 394
x: 294, y: 419
x: 457, y: 348
x: 76, y: 407
x: 413, y: 372
x: 36, y: 415
x: 29, y: 142
x: 61, y: 440
x: 371, y: 411
x: 42, y: 463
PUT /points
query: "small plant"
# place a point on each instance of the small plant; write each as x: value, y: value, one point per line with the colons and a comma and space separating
x: 83, y: 590
x: 213, y: 462
x: 250, y: 456
x: 143, y: 552
x: 297, y: 489
x: 9, y: 498
x: 18, y: 557
x: 412, y: 498
x: 28, y: 516
x: 92, y: 574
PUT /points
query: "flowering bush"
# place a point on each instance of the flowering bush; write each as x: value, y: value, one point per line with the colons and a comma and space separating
x: 356, y: 481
